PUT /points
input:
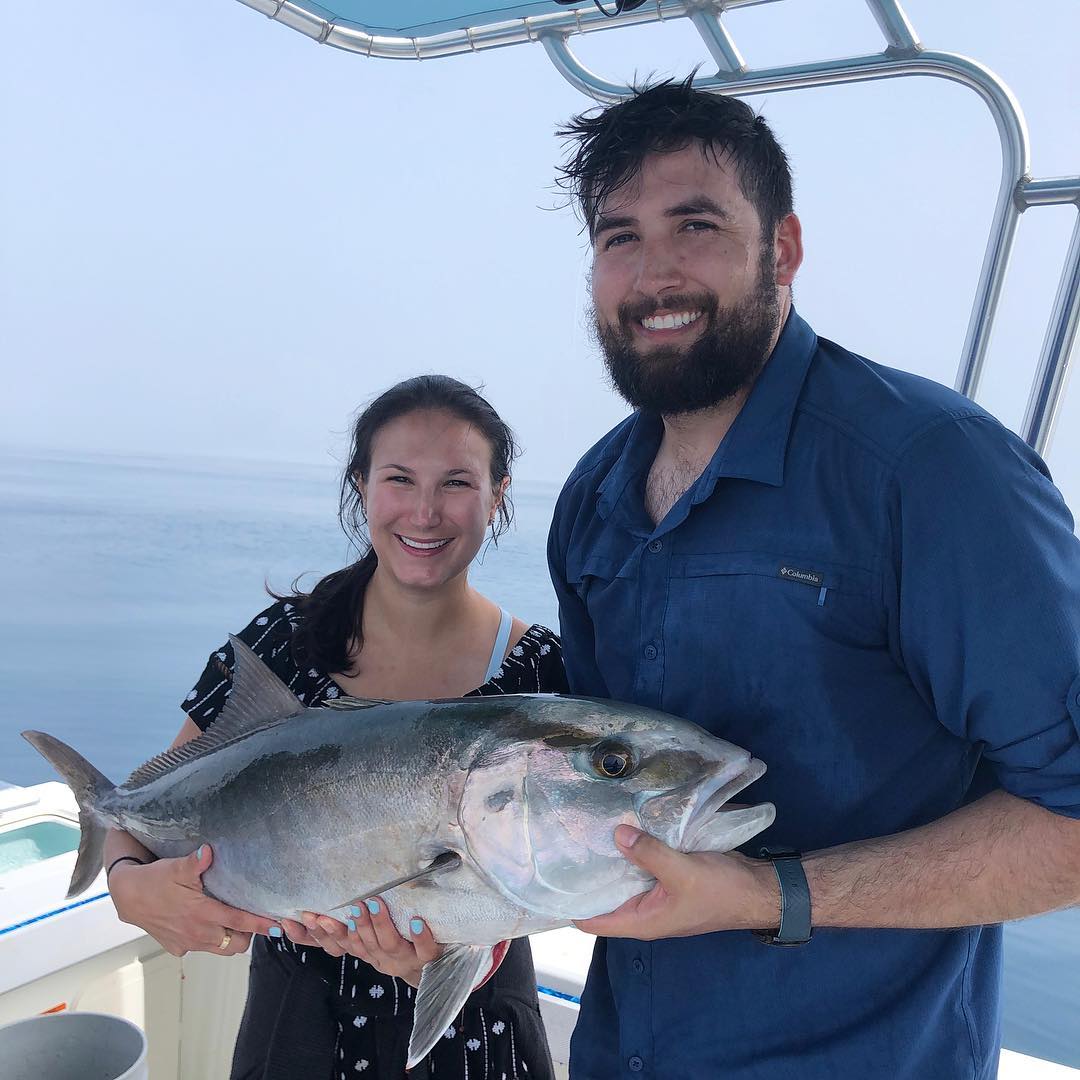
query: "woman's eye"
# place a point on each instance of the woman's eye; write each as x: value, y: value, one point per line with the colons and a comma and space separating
x: 399, y: 479
x: 612, y: 763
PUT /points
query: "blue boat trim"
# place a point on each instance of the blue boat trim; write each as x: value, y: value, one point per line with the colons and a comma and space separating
x: 50, y: 914
x: 558, y: 994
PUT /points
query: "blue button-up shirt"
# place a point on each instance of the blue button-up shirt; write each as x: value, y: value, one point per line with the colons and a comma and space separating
x: 875, y: 588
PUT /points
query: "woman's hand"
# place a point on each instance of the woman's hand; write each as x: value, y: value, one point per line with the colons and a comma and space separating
x: 372, y: 937
x: 166, y: 899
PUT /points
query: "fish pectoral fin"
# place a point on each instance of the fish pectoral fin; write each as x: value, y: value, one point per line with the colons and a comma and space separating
x: 445, y: 985
x: 448, y: 860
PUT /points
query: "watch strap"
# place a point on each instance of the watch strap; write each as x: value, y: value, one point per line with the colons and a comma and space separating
x: 795, y: 915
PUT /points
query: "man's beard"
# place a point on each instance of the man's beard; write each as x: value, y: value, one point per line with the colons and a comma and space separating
x: 725, y: 358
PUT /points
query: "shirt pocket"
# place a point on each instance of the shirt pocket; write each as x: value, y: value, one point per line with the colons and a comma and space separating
x: 782, y: 600
x: 610, y: 590
x: 593, y: 574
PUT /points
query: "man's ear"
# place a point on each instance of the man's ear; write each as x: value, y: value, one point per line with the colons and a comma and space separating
x: 788, y: 248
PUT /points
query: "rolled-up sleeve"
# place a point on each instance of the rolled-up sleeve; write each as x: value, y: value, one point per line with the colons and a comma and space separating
x: 985, y: 602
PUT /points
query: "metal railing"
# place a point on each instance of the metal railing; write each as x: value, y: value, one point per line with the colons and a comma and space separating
x: 903, y: 55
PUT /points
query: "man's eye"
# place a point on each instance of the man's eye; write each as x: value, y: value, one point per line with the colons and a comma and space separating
x: 618, y: 240
x: 699, y: 226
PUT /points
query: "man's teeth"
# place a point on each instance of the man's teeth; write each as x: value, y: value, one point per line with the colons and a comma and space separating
x: 420, y: 545
x: 670, y: 322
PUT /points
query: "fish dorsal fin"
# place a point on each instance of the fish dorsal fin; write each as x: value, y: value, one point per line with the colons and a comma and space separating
x: 345, y: 701
x: 447, y: 861
x: 258, y: 698
x: 445, y: 985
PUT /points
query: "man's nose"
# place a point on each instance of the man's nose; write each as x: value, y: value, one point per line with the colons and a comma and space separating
x: 659, y: 269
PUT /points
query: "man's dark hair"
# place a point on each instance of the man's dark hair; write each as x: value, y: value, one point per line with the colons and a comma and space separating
x: 613, y: 144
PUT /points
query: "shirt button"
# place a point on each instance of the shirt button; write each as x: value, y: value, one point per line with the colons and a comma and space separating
x: 639, y: 965
x: 656, y: 545
x: 650, y: 652
x: 636, y: 1064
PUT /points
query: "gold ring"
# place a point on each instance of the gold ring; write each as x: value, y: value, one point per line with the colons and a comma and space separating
x: 225, y: 941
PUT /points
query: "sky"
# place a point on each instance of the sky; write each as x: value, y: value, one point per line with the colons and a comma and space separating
x: 219, y: 238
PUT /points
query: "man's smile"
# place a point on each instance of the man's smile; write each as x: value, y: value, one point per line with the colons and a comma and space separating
x: 675, y: 320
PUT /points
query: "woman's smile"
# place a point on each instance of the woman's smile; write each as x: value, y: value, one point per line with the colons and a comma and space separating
x: 423, y: 548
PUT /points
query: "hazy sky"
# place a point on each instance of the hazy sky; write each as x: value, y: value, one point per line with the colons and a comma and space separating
x: 219, y: 237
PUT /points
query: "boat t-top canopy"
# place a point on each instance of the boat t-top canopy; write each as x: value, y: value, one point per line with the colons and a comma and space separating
x: 428, y: 29
x: 424, y: 29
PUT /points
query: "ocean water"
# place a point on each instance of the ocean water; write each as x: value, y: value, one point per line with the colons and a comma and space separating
x: 119, y: 576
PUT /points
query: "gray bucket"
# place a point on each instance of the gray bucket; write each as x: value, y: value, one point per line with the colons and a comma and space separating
x: 73, y: 1046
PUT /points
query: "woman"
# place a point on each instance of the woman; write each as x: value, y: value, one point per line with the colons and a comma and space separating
x: 428, y: 477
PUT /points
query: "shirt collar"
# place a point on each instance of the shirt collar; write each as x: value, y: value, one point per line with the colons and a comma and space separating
x: 754, y: 447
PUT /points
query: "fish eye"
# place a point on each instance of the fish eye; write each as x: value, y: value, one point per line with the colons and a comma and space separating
x: 612, y: 762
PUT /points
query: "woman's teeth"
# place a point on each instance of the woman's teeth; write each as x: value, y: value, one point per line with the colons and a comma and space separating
x: 672, y: 321
x: 421, y: 545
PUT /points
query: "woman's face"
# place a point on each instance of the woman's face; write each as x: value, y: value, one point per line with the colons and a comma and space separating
x: 428, y: 497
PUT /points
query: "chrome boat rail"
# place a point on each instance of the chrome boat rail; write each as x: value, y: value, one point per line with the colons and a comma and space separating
x: 903, y: 55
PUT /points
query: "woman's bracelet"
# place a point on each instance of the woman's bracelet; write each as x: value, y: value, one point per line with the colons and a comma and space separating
x: 123, y: 858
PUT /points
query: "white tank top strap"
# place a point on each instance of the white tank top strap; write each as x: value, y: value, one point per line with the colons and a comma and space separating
x: 502, y: 639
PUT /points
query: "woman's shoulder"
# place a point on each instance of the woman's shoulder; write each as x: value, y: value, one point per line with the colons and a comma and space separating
x: 269, y: 635
x: 279, y: 620
x: 540, y: 639
x: 533, y: 665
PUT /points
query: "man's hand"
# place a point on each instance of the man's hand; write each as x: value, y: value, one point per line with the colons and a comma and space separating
x: 693, y: 894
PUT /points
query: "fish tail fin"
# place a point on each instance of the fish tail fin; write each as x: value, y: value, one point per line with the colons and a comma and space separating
x: 89, y: 787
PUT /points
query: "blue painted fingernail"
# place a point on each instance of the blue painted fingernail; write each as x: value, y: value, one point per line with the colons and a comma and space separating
x: 372, y: 906
x: 351, y: 925
x: 416, y: 926
x: 198, y: 854
x: 275, y: 931
x: 354, y: 910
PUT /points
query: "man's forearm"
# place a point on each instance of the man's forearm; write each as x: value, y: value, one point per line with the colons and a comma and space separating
x: 1000, y: 858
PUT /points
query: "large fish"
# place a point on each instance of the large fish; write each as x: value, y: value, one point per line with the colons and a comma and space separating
x: 489, y: 817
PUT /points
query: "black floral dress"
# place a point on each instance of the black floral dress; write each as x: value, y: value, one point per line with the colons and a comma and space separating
x: 311, y: 1016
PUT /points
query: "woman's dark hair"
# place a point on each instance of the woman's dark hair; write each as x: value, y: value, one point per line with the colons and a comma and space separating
x: 613, y: 144
x: 332, y: 613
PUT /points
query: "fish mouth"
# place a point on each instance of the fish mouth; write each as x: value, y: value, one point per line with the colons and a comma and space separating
x: 712, y: 828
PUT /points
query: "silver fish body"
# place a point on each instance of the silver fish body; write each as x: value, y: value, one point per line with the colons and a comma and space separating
x: 489, y: 817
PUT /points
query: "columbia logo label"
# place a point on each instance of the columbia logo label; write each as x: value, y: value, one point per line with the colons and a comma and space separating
x: 807, y: 577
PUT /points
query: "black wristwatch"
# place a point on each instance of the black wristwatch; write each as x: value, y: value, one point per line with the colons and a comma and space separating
x: 795, y: 924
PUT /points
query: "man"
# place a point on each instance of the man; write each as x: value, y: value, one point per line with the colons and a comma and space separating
x: 855, y: 573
